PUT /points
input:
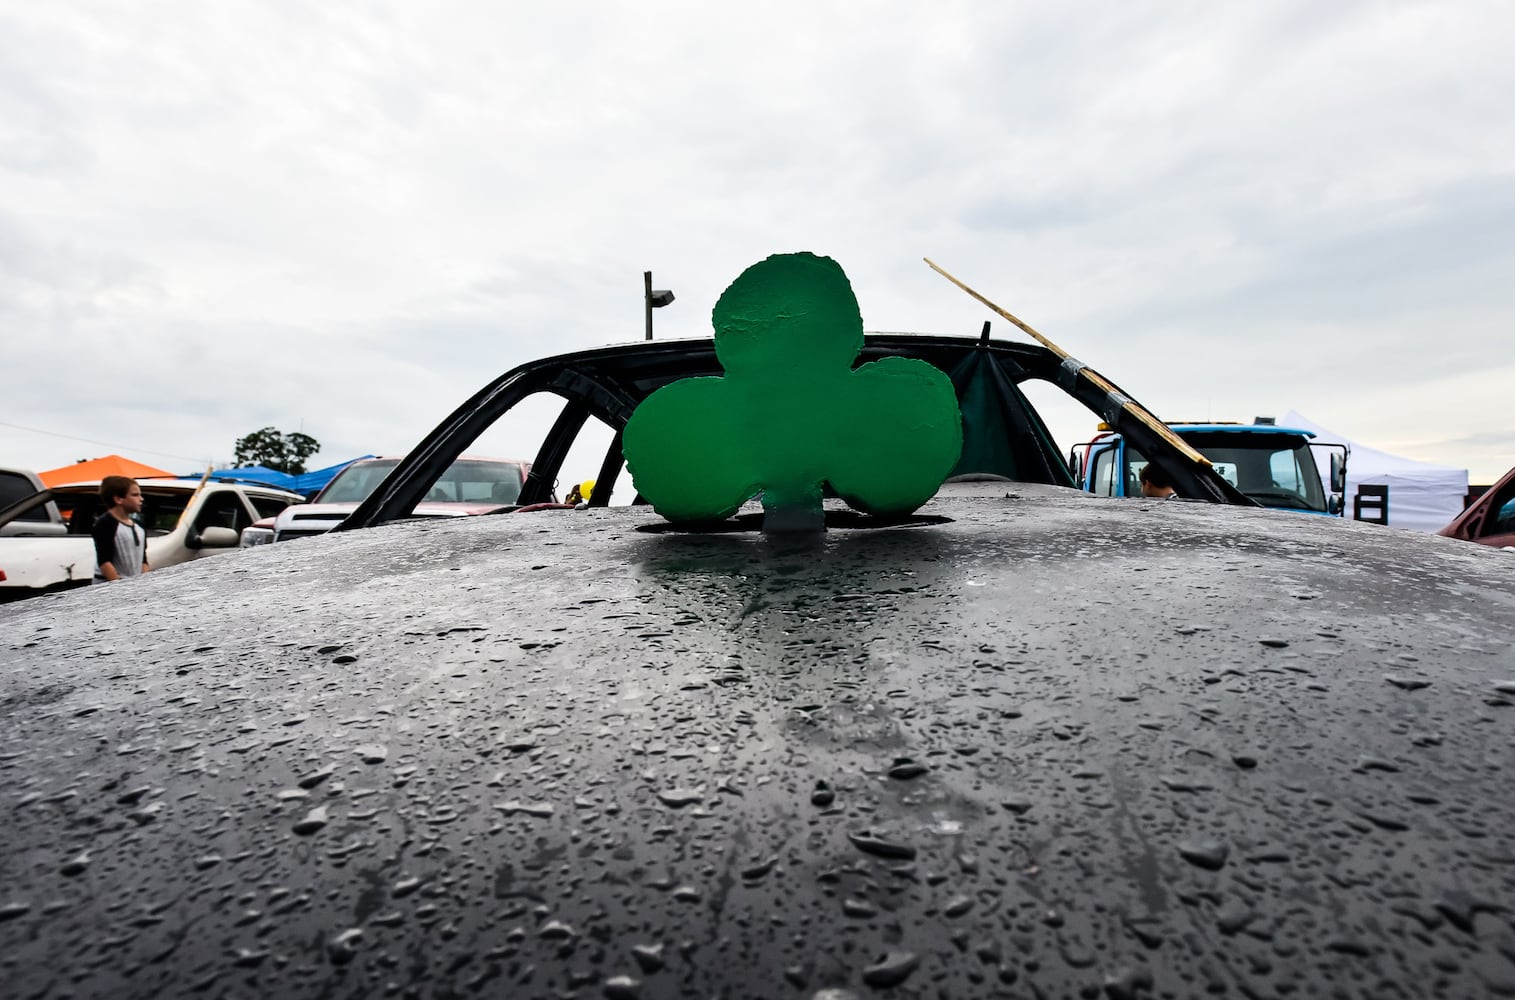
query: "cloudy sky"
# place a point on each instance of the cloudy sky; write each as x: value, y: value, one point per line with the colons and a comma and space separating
x: 346, y: 217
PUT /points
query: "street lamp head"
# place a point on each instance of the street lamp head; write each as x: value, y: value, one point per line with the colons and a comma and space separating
x: 653, y: 298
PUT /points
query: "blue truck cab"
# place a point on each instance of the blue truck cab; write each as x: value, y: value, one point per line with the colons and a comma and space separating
x: 1275, y: 466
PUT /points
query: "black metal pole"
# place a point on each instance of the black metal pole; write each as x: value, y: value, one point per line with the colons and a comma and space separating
x: 647, y: 298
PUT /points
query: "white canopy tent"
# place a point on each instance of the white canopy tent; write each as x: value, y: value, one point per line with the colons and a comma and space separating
x: 1422, y: 496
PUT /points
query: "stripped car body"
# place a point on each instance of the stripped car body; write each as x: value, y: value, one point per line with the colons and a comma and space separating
x: 1003, y: 436
x: 580, y: 753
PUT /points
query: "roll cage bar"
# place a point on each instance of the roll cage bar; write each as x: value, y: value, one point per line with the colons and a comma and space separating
x: 610, y: 382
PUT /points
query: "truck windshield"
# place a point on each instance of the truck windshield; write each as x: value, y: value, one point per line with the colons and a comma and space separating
x: 465, y: 481
x: 1275, y: 470
x: 354, y: 483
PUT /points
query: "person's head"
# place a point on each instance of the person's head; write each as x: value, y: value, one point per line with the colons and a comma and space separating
x: 1155, y: 482
x: 119, y: 492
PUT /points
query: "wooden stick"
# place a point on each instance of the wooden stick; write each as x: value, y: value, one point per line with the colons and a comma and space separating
x: 1132, y: 407
x: 209, y: 469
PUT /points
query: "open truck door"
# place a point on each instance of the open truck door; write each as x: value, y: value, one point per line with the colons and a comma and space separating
x: 1336, y: 503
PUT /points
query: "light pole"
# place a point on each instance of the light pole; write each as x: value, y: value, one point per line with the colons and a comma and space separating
x: 655, y: 299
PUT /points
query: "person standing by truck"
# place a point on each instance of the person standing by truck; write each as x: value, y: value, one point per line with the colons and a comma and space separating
x: 1156, y: 484
x: 120, y: 543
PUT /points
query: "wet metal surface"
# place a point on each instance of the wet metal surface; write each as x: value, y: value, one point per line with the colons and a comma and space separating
x: 1056, y: 746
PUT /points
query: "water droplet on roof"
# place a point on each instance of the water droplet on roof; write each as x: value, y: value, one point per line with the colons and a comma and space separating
x: 871, y: 843
x: 891, y: 970
x: 315, y: 778
x: 622, y: 988
x: 538, y: 809
x: 313, y: 821
x: 372, y: 753
x: 1208, y: 854
x: 1128, y: 984
x: 649, y: 957
x: 344, y: 947
x: 760, y: 870
x: 904, y: 769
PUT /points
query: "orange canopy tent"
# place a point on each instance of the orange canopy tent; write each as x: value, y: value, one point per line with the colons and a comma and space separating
x: 98, y: 468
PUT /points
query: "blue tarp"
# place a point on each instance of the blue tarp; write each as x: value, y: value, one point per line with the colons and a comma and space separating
x: 250, y: 474
x: 306, y: 483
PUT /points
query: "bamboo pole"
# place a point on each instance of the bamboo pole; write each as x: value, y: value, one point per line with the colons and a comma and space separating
x: 1129, y: 405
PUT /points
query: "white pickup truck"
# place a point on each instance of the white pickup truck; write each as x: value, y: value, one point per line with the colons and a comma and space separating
x: 183, y: 521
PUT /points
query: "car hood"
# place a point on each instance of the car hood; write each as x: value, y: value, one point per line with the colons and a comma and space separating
x: 1035, y: 742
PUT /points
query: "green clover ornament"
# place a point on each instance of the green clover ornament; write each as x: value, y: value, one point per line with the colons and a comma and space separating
x: 791, y: 413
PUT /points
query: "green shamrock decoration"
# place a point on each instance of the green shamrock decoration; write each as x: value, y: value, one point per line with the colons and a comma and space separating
x: 791, y: 414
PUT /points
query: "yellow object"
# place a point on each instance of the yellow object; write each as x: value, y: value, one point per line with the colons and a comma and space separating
x: 586, y: 489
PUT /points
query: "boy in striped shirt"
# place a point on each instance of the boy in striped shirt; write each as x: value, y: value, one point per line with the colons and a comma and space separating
x: 120, y: 543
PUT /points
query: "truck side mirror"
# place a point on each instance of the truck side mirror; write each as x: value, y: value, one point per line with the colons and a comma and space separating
x: 217, y: 537
x: 1335, y: 504
x: 1338, y: 472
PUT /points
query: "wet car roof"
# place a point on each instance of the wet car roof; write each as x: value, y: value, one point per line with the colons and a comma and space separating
x: 1032, y: 743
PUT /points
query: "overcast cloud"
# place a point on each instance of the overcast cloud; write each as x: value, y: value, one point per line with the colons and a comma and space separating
x: 347, y: 217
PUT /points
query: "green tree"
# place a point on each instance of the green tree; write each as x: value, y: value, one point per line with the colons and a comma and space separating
x: 284, y: 452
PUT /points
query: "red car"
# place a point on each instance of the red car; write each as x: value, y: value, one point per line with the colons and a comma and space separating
x: 1491, y: 518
